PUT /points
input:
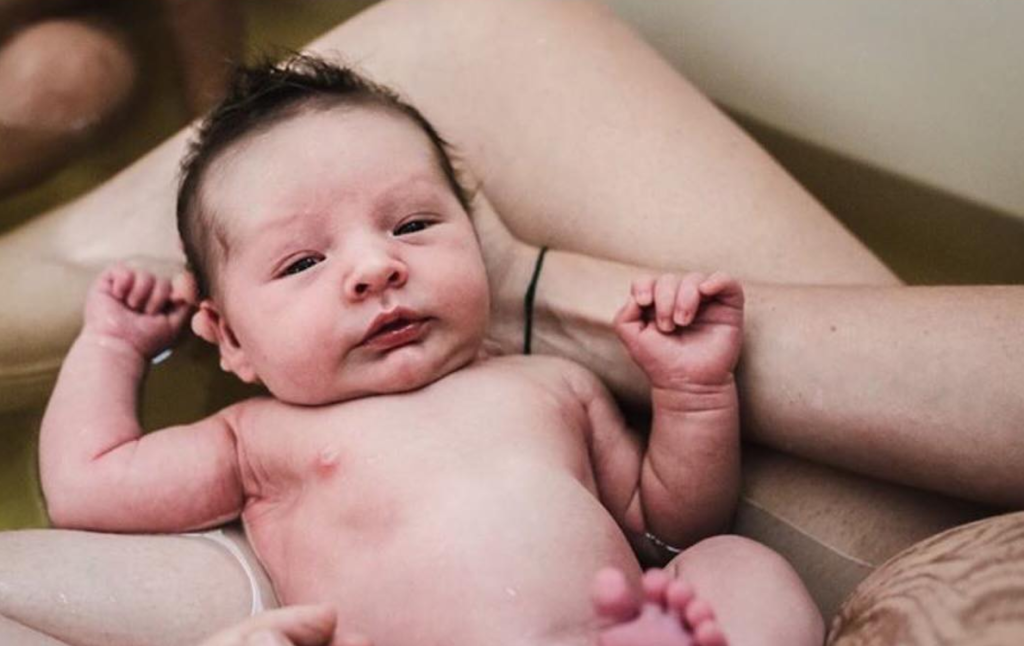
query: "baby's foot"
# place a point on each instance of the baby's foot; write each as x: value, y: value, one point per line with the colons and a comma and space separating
x: 669, y: 614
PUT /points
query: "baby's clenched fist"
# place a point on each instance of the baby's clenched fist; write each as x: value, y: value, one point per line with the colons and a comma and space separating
x: 136, y: 307
x: 684, y: 331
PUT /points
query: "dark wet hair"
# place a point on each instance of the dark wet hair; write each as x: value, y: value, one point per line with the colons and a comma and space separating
x: 260, y: 97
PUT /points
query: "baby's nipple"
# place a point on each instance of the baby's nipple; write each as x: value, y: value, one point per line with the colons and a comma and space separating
x: 326, y: 461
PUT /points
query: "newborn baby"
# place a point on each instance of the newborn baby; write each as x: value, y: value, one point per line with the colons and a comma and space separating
x: 431, y: 493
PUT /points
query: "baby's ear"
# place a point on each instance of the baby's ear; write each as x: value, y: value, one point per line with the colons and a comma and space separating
x: 209, y: 324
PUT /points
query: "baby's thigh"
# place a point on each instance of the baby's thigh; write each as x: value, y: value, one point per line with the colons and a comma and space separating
x: 755, y: 594
x: 87, y: 588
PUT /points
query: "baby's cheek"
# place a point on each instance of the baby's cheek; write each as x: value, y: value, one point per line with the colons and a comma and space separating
x: 300, y: 376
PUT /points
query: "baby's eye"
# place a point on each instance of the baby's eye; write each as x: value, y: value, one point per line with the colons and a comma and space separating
x: 300, y: 265
x: 412, y: 226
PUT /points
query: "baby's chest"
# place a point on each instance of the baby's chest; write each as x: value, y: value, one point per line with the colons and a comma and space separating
x: 452, y: 430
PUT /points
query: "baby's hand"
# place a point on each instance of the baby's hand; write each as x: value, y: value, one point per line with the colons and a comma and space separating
x: 684, y: 331
x: 135, y: 307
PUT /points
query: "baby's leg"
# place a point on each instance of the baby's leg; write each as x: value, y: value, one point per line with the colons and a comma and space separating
x: 724, y: 590
x: 91, y: 589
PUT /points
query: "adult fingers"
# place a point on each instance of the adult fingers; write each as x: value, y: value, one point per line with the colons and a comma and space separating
x: 266, y: 638
x: 298, y: 625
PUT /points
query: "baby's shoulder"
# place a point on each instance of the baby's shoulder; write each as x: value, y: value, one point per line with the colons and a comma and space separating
x: 551, y: 371
x: 254, y: 412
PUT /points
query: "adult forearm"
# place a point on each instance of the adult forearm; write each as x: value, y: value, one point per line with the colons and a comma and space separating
x: 919, y: 385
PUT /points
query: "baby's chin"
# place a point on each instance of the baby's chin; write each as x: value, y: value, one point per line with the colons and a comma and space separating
x: 393, y: 383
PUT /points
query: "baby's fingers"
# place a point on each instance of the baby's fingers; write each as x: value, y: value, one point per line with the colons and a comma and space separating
x: 687, y: 301
x: 629, y: 322
x: 665, y: 290
x: 642, y: 290
x: 631, y: 312
x: 141, y: 290
x: 184, y: 289
x: 723, y: 287
x: 158, y: 297
x: 119, y: 281
x: 178, y: 314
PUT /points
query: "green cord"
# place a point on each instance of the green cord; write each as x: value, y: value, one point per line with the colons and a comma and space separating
x: 531, y: 291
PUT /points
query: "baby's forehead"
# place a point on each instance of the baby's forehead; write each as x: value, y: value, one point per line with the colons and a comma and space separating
x: 329, y: 158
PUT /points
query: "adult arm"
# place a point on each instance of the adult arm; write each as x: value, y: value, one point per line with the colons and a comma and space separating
x: 916, y: 385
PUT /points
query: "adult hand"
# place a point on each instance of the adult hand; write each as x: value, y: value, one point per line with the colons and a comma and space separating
x: 290, y: 626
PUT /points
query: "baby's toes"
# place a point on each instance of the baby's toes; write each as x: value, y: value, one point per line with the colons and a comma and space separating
x: 698, y: 612
x: 612, y: 597
x: 678, y: 596
x: 141, y: 290
x: 709, y: 633
x: 655, y: 583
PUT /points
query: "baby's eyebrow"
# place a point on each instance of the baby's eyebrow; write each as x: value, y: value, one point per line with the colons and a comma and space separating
x: 419, y: 187
x: 280, y: 222
x: 414, y: 187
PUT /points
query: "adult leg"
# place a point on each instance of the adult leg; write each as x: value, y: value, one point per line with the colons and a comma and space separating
x: 585, y: 139
x: 89, y: 589
x: 725, y: 589
x: 581, y: 135
x: 755, y: 595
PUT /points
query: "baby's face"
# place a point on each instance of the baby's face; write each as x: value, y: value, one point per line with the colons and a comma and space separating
x: 352, y: 269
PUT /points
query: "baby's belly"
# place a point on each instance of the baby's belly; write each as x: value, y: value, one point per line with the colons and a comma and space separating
x: 505, y: 557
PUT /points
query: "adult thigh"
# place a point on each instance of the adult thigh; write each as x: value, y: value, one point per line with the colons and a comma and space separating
x: 585, y: 139
x: 107, y: 590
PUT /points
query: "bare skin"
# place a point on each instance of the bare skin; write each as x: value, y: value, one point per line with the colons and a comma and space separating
x: 734, y: 199
x: 359, y: 459
x: 738, y: 210
x: 293, y: 626
x: 668, y: 613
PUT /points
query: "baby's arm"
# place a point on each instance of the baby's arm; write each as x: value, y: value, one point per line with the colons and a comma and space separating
x: 98, y: 471
x: 683, y: 484
x: 685, y: 333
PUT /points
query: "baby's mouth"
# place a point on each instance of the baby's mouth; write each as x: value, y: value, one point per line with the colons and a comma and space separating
x: 395, y: 329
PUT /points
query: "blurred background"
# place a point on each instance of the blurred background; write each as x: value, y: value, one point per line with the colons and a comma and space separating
x: 88, y: 86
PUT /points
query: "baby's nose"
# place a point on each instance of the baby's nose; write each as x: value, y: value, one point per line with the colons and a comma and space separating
x: 375, y: 276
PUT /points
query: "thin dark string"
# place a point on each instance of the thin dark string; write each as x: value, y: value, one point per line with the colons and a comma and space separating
x: 531, y: 291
